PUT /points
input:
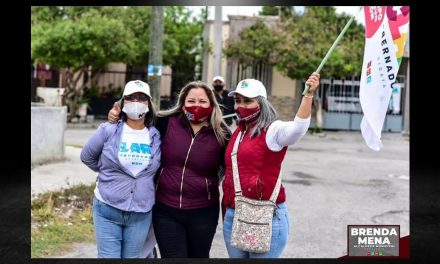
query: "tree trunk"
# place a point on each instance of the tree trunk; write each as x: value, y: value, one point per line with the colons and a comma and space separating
x: 73, y: 93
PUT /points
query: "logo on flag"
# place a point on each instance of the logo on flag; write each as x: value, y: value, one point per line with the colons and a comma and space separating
x: 386, y: 31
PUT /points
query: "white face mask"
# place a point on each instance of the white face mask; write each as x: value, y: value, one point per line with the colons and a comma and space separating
x: 135, y: 110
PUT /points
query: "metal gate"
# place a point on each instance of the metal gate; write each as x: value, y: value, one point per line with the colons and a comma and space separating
x: 259, y: 71
x: 342, y: 109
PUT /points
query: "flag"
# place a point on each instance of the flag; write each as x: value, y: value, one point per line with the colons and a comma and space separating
x: 386, y: 32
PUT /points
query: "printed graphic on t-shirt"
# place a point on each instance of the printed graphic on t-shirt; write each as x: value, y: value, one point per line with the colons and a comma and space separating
x: 135, y: 149
x: 135, y: 153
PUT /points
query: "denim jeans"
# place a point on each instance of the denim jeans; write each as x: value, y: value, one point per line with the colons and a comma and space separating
x: 280, y: 231
x: 119, y: 234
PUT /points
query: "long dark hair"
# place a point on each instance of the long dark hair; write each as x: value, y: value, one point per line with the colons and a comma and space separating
x: 150, y: 117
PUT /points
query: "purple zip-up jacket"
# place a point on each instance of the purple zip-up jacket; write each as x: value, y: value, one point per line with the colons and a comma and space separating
x: 188, y: 178
x: 117, y: 185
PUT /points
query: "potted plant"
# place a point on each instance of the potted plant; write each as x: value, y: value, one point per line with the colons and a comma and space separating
x: 83, y: 104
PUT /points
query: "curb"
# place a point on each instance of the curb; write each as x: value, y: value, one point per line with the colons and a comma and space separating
x: 90, y: 125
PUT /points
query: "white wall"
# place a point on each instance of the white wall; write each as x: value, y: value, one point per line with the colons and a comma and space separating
x: 282, y: 85
x: 47, y: 132
x: 208, y: 63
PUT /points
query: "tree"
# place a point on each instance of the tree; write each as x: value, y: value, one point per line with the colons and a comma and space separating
x: 307, y: 38
x: 137, y: 20
x: 281, y: 11
x: 182, y: 43
x: 88, y: 37
x: 256, y: 44
x: 75, y: 43
x: 299, y: 43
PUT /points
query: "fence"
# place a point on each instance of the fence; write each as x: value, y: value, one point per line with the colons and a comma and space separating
x: 342, y: 109
x: 110, y: 84
x: 260, y: 71
x: 171, y: 83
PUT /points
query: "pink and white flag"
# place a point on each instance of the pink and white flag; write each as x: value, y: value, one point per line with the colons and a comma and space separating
x: 386, y: 32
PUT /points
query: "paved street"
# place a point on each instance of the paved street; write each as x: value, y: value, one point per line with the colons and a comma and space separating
x: 331, y: 181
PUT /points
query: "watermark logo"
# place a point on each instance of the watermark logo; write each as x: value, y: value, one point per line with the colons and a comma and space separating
x: 373, y: 240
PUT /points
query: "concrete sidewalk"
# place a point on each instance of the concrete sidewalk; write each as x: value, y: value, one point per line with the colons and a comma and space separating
x: 63, y: 174
x: 331, y: 181
x: 70, y: 171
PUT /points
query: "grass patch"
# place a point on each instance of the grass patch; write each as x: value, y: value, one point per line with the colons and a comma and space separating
x: 60, y: 218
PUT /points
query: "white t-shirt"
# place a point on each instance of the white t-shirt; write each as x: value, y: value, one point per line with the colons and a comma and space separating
x: 135, y: 149
x: 282, y: 133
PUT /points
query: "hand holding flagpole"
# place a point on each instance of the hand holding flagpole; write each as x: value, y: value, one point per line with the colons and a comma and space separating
x: 307, y: 87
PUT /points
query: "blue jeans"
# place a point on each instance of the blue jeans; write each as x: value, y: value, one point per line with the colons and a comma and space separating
x: 119, y: 234
x: 280, y: 231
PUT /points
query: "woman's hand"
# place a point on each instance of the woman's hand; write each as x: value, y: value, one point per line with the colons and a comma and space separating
x: 313, y: 82
x: 305, y: 109
x: 113, y: 114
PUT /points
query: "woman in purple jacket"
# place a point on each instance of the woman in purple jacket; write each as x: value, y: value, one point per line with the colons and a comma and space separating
x: 194, y: 137
x: 126, y: 156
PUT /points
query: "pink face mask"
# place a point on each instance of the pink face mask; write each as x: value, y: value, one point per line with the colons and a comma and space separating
x: 247, y: 114
x: 197, y: 114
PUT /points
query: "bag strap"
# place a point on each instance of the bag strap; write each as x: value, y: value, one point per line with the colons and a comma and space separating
x: 236, y: 176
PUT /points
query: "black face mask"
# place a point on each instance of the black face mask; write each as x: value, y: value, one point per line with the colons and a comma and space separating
x: 218, y: 88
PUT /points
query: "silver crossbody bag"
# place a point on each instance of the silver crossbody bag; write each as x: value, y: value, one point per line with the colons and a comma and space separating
x: 252, y: 224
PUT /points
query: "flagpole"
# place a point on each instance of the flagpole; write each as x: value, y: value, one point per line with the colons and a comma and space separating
x: 307, y: 87
x: 230, y: 115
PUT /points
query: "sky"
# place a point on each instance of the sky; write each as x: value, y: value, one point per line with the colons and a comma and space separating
x: 254, y: 10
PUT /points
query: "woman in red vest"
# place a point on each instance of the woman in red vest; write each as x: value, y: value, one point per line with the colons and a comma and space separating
x: 263, y: 145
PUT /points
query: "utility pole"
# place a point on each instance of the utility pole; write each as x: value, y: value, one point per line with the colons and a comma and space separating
x: 155, y: 55
x: 204, y: 40
x: 218, y: 37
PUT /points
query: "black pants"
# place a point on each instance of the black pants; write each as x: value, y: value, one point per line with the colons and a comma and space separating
x: 184, y: 233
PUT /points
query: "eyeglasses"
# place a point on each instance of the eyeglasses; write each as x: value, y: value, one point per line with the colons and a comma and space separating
x: 138, y: 97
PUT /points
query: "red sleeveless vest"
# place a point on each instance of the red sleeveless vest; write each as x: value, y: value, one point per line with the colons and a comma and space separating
x: 258, y: 166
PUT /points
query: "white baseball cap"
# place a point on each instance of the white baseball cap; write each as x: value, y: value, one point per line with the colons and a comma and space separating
x: 250, y: 88
x: 218, y: 77
x: 136, y: 86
